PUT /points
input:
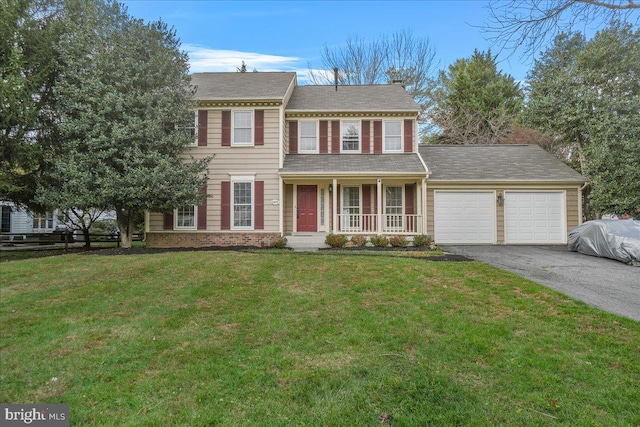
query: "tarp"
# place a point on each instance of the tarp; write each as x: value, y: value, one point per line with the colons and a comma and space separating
x: 615, y: 239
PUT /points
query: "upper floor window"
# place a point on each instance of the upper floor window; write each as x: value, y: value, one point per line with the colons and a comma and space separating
x: 308, y: 137
x: 392, y: 135
x: 185, y: 217
x: 191, y: 129
x: 350, y: 136
x: 242, y: 128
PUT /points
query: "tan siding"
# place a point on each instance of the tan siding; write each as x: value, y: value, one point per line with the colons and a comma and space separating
x: 573, y: 208
x: 430, y: 198
x: 500, y: 218
x: 259, y: 161
x: 156, y: 222
x: 288, y: 209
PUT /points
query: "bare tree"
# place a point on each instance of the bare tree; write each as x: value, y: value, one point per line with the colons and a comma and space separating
x: 530, y: 24
x: 396, y: 57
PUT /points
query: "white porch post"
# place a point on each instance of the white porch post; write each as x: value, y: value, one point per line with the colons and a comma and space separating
x: 424, y: 206
x: 334, y: 193
x: 379, y: 202
x: 418, y: 221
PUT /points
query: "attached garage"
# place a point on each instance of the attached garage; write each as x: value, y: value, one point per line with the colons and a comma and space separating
x: 465, y: 217
x: 499, y: 194
x: 534, y: 217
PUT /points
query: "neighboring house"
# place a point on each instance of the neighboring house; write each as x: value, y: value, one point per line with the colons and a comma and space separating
x: 16, y: 220
x: 294, y: 159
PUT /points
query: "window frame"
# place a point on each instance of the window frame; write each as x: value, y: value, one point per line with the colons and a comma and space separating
x: 177, y: 214
x: 342, y: 128
x: 252, y: 141
x: 317, y: 137
x: 242, y: 180
x: 394, y: 226
x: 384, y: 136
x: 39, y: 219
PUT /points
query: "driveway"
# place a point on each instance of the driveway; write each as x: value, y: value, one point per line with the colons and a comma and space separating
x: 599, y: 282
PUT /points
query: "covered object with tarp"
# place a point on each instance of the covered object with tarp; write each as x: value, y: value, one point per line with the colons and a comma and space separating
x: 615, y: 239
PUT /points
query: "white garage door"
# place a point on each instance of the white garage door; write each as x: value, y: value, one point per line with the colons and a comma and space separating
x: 534, y: 217
x: 464, y: 217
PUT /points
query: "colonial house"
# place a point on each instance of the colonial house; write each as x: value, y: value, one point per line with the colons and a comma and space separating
x: 291, y: 160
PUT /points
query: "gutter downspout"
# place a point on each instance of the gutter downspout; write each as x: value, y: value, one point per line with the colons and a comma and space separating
x: 580, y: 201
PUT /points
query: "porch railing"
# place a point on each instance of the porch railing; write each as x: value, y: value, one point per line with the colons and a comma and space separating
x: 368, y: 224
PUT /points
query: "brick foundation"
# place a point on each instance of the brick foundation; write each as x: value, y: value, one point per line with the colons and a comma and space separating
x: 202, y: 240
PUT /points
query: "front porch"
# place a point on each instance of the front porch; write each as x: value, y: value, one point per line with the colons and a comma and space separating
x: 352, y: 206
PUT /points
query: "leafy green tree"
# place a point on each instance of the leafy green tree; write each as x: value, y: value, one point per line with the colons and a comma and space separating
x: 474, y: 103
x: 29, y: 30
x: 586, y: 95
x: 124, y: 102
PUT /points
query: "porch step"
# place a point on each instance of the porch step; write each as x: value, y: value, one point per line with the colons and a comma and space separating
x: 301, y: 242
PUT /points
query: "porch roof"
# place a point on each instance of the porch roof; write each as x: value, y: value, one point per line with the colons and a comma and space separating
x: 405, y: 164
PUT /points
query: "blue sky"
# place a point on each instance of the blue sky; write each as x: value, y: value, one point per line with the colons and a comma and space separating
x: 290, y: 35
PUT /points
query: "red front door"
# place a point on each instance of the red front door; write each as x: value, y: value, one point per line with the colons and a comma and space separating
x: 307, y: 208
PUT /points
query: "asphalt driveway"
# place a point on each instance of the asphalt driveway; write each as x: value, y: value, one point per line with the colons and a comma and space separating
x: 600, y: 282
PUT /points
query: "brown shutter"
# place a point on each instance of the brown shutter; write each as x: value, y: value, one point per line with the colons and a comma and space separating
x: 366, y: 199
x: 259, y: 127
x: 338, y: 208
x: 408, y: 136
x: 226, y: 128
x: 366, y: 137
x: 168, y: 221
x: 225, y: 206
x: 293, y: 136
x: 259, y: 205
x: 202, y: 127
x: 377, y: 136
x: 324, y: 135
x: 202, y: 211
x: 335, y: 136
x: 409, y: 198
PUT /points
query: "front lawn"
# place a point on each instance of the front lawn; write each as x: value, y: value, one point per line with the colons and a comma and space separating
x: 281, y: 338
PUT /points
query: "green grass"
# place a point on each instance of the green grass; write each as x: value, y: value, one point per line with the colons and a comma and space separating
x: 280, y: 338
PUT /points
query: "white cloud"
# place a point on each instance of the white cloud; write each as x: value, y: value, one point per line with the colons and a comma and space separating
x: 203, y: 59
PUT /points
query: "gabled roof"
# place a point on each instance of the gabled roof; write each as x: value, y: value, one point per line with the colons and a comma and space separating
x: 353, y: 164
x: 241, y: 86
x: 503, y: 162
x: 371, y: 98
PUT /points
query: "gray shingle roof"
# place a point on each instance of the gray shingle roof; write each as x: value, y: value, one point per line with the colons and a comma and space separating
x: 241, y: 86
x: 353, y: 164
x: 352, y: 98
x: 495, y: 163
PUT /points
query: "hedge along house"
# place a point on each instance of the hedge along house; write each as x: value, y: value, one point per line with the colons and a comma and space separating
x: 322, y: 159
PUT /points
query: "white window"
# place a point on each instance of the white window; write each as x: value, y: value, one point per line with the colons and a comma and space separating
x: 393, y: 208
x: 43, y: 221
x: 185, y: 217
x: 350, y: 208
x: 308, y: 137
x: 242, y: 203
x: 350, y: 136
x: 392, y: 135
x: 242, y: 128
x: 192, y: 130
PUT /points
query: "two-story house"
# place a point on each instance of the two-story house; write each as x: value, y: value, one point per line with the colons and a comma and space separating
x: 294, y: 159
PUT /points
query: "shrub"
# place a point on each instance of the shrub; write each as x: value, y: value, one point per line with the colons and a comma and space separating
x: 422, y: 241
x: 336, y: 240
x: 398, y: 241
x: 359, y: 241
x: 379, y: 241
x: 280, y: 243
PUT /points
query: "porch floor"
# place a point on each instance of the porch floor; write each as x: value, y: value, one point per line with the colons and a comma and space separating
x: 301, y: 242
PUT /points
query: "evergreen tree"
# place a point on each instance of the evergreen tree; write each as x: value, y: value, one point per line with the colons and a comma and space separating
x: 474, y: 103
x: 124, y: 103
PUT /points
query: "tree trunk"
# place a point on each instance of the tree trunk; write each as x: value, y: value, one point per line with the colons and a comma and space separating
x: 125, y: 225
x: 87, y: 238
